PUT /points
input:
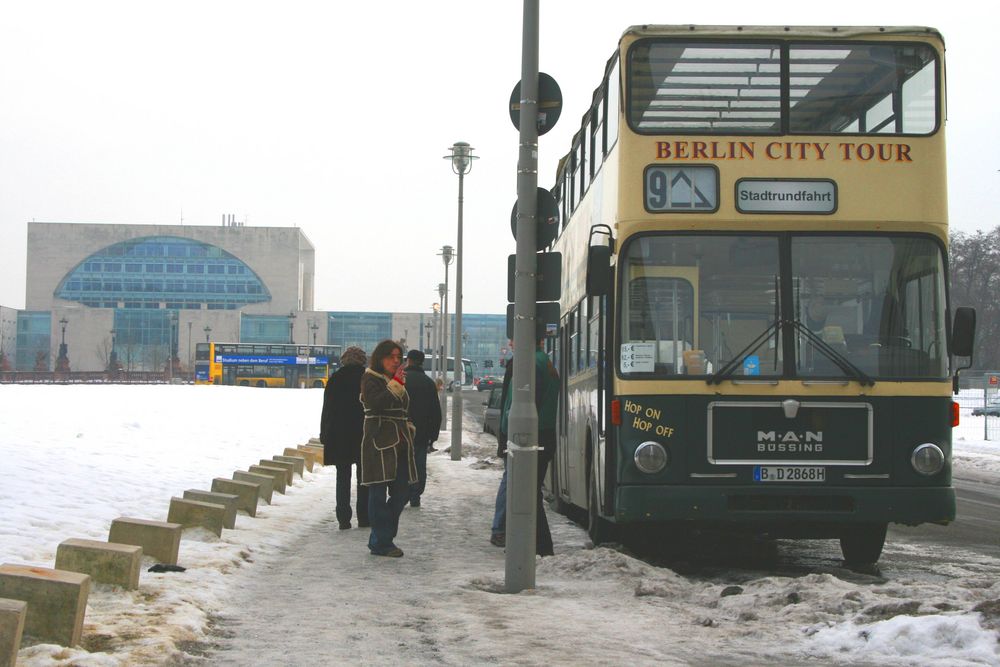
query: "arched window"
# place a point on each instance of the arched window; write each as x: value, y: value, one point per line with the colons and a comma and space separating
x: 176, y: 272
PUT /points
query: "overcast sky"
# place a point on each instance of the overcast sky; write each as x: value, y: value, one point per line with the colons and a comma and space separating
x: 334, y: 117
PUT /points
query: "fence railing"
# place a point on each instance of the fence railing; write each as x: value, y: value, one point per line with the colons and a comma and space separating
x: 87, y: 377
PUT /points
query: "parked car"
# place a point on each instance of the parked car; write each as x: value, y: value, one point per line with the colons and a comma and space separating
x: 991, y: 409
x: 488, y: 382
x: 491, y: 410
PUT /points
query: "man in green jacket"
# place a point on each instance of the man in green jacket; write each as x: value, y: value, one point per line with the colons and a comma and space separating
x: 546, y: 402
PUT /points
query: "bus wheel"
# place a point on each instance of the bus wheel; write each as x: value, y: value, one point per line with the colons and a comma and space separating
x: 261, y: 383
x: 599, y: 529
x: 244, y: 383
x: 862, y: 543
x: 317, y: 384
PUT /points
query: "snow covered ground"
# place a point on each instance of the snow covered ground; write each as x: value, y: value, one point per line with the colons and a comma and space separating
x: 289, y: 588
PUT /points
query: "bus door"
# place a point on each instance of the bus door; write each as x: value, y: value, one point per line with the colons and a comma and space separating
x: 229, y: 374
x: 561, y: 464
x: 291, y: 376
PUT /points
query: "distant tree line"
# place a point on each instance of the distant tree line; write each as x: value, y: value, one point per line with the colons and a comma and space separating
x: 975, y: 281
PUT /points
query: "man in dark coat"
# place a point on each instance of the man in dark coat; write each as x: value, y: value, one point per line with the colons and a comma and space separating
x: 341, y: 429
x: 425, y: 413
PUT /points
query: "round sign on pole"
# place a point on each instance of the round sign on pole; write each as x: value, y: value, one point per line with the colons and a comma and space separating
x: 549, y: 103
x: 547, y: 216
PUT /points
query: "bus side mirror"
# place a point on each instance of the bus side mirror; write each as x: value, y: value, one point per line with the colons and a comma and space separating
x: 963, y: 332
x: 963, y: 338
x: 598, y: 270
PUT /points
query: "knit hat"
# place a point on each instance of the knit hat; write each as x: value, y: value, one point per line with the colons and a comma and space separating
x: 353, y: 356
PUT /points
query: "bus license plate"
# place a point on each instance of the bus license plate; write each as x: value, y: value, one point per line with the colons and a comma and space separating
x: 789, y: 474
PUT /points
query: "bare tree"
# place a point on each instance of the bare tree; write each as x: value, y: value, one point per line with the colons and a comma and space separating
x: 975, y: 281
x: 103, y: 351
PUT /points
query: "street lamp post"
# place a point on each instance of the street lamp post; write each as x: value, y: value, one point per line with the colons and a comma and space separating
x: 309, y: 355
x: 113, y: 357
x: 208, y: 333
x: 62, y: 362
x: 427, y: 335
x: 447, y: 256
x: 461, y: 163
x: 171, y: 352
x: 465, y: 347
x: 291, y: 327
x: 442, y: 291
x: 436, y: 341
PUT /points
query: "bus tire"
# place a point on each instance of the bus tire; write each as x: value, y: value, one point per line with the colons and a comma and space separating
x: 261, y: 383
x: 244, y: 383
x: 599, y: 529
x: 317, y: 384
x: 861, y: 544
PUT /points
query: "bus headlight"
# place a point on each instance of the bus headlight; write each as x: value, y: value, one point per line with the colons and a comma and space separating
x: 651, y: 457
x: 927, y: 459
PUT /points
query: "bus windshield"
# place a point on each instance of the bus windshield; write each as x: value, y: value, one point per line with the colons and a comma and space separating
x: 694, y: 304
x: 837, y: 87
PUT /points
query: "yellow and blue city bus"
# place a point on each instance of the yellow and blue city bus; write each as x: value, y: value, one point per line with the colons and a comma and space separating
x: 754, y: 326
x: 265, y: 365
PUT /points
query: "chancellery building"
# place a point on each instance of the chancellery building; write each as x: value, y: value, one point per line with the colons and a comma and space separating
x: 138, y: 292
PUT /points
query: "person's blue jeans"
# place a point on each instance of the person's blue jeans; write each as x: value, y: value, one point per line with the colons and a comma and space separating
x: 420, y: 457
x: 500, y: 510
x: 543, y: 537
x: 385, y: 503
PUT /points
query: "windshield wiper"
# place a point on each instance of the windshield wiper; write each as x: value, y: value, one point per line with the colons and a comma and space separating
x: 737, y: 359
x: 842, y: 362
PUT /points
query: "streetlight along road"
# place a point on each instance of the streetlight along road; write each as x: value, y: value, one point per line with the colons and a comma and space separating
x: 461, y: 163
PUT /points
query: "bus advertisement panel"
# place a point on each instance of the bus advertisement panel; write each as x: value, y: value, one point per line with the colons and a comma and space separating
x: 271, y: 365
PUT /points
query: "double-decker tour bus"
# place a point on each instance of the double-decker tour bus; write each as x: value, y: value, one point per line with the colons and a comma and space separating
x: 754, y: 327
x: 265, y: 365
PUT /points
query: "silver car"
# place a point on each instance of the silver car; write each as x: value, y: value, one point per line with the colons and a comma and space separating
x: 491, y: 411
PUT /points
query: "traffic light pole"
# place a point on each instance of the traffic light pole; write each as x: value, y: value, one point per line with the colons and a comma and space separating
x: 522, y: 438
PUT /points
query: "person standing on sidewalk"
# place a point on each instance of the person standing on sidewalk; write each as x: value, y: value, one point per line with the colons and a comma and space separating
x: 387, y: 464
x: 546, y: 402
x: 425, y: 413
x: 340, y: 432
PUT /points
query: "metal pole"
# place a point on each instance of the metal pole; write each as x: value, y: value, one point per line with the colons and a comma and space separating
x: 444, y: 354
x: 522, y: 443
x: 456, y: 394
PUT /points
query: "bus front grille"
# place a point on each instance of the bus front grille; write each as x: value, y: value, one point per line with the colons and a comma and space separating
x: 789, y: 503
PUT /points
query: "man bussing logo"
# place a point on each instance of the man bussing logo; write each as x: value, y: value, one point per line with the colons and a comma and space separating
x: 789, y: 442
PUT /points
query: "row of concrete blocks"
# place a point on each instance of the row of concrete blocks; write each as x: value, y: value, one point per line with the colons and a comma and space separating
x: 49, y: 604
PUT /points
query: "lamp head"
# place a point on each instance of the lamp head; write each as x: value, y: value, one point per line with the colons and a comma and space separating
x: 461, y: 157
x: 447, y: 254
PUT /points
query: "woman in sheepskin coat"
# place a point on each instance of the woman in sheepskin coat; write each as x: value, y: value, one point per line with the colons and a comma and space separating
x: 387, y: 463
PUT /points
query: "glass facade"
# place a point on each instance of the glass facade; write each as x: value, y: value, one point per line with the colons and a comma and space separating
x: 486, y: 340
x: 34, y: 340
x: 163, y: 272
x: 484, y: 345
x: 365, y: 330
x: 143, y: 339
x: 264, y: 329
